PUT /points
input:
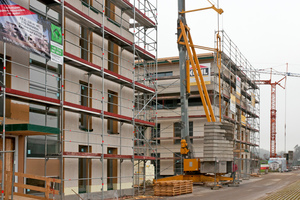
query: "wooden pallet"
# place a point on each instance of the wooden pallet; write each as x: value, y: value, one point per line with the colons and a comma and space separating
x: 173, y: 188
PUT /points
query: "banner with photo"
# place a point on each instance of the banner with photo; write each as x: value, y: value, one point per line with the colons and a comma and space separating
x: 205, y: 69
x: 24, y: 28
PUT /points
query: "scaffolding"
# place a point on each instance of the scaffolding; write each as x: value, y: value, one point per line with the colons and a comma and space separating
x: 246, y: 120
x: 113, y: 125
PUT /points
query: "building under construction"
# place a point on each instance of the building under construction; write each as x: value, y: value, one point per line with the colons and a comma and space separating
x: 90, y: 124
x: 70, y: 128
x: 239, y: 106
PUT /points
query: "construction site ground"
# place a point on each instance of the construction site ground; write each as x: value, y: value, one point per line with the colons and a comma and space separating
x: 273, y: 186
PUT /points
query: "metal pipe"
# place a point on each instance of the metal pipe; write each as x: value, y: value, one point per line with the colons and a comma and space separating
x: 121, y: 124
x: 13, y: 176
x: 3, y: 121
x: 88, y: 131
x: 102, y: 113
x: 133, y: 86
x: 61, y: 135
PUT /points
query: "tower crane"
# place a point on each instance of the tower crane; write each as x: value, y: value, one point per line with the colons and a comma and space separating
x: 273, y: 110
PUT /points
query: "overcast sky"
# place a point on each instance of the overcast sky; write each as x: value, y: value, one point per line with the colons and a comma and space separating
x: 266, y: 32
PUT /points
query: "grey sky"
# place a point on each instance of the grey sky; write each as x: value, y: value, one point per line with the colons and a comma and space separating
x: 266, y: 32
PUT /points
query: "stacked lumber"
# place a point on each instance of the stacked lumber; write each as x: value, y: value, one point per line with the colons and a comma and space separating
x: 173, y: 188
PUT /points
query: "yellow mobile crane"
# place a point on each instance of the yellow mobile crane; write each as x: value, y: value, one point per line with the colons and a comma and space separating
x: 186, y: 46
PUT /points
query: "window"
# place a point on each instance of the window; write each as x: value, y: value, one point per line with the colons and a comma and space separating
x: 113, y: 52
x: 112, y: 170
x: 163, y: 74
x: 177, y: 132
x: 195, y: 102
x: 155, y: 133
x: 84, y: 170
x: 112, y: 107
x: 84, y: 43
x: 36, y: 145
x: 39, y: 183
x: 159, y: 105
x: 110, y: 9
x: 157, y: 165
x: 87, y: 2
x: 44, y: 81
x: 41, y: 9
x: 191, y: 131
x: 173, y: 103
x: 178, y: 167
x: 168, y: 104
x: 139, y: 134
x: 86, y: 100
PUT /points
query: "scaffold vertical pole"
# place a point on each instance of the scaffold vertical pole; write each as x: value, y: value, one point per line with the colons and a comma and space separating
x: 61, y: 137
x: 3, y: 122
x: 103, y: 98
x: 135, y: 130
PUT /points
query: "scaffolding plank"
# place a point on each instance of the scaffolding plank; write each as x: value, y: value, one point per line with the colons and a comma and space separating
x: 30, y: 98
x: 140, y: 17
x: 144, y: 158
x: 142, y: 122
x: 68, y: 154
x: 169, y: 158
x: 84, y: 20
x: 109, y: 75
x: 178, y: 117
x: 176, y: 138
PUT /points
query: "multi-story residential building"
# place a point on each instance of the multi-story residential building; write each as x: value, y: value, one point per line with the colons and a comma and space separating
x: 239, y: 102
x: 77, y: 121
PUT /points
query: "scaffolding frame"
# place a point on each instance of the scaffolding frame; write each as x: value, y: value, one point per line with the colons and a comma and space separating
x: 142, y: 27
x: 236, y: 63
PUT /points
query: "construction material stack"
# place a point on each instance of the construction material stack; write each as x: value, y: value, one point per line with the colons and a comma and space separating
x: 218, y: 147
x: 173, y: 188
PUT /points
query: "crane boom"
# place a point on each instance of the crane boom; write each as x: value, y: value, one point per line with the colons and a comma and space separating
x: 274, y: 72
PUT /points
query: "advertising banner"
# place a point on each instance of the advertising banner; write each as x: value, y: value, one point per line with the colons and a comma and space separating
x: 56, y: 44
x: 24, y: 28
x: 238, y: 86
x: 205, y: 69
x: 232, y: 103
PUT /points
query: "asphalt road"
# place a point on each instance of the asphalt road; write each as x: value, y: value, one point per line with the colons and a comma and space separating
x: 255, y: 188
